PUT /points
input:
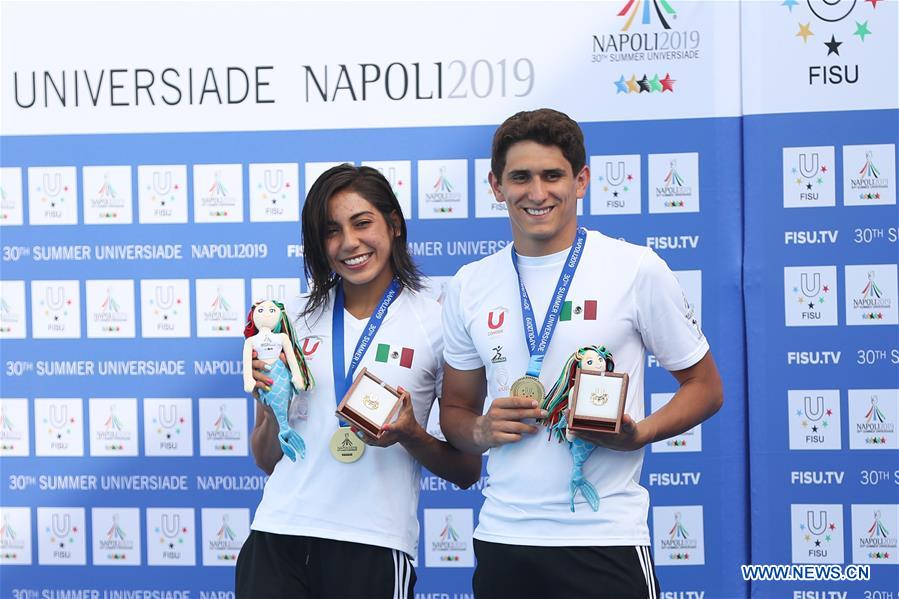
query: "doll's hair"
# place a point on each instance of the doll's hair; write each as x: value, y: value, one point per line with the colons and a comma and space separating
x: 283, y: 326
x: 556, y: 400
x: 374, y: 187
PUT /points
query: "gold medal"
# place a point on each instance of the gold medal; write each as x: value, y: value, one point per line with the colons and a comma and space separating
x: 346, y: 447
x: 529, y: 387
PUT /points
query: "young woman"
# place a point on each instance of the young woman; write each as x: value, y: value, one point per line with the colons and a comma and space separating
x: 326, y: 526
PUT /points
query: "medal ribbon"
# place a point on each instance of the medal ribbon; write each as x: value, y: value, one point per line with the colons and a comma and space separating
x: 538, y: 347
x: 343, y: 378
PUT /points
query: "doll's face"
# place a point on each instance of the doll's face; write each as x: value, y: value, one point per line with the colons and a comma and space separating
x: 266, y: 315
x: 593, y: 362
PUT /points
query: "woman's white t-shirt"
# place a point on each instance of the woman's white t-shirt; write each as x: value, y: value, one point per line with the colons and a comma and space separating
x: 375, y: 499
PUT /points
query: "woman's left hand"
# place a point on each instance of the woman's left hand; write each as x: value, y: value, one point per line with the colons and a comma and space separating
x: 403, y: 429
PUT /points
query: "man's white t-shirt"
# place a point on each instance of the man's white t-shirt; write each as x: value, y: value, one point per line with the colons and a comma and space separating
x: 375, y: 499
x: 624, y: 297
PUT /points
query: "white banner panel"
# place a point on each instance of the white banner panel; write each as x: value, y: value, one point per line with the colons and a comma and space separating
x: 818, y: 55
x: 344, y: 65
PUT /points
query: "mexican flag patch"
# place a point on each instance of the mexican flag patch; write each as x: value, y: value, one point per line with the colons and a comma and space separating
x: 394, y: 354
x: 579, y: 310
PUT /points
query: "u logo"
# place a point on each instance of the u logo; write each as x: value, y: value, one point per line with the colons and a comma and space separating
x: 618, y: 177
x: 814, y: 411
x: 818, y: 526
x: 308, y: 349
x: 171, y: 525
x: 162, y: 182
x: 809, y: 170
x: 61, y: 524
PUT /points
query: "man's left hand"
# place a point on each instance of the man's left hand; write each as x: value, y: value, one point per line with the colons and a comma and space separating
x: 630, y: 437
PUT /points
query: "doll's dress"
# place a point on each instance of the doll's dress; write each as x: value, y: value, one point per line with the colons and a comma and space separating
x: 268, y: 346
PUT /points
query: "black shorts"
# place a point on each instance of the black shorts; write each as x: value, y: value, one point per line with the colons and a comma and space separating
x: 275, y: 566
x: 524, y: 572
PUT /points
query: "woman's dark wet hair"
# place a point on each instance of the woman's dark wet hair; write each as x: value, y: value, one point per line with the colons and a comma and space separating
x: 371, y: 185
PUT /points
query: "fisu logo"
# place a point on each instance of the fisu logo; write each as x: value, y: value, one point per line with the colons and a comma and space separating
x: 809, y: 292
x: 61, y: 536
x: 164, y: 308
x: 817, y: 533
x: 814, y: 419
x: 808, y: 179
x: 168, y: 427
x: 56, y: 308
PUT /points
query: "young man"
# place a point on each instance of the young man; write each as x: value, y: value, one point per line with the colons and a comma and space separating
x: 528, y: 542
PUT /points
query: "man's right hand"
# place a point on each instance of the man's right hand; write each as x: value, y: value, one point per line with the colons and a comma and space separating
x: 502, y: 424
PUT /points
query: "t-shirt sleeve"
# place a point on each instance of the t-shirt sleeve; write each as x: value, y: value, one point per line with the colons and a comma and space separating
x: 458, y: 347
x: 665, y: 318
x: 436, y: 340
x: 433, y: 331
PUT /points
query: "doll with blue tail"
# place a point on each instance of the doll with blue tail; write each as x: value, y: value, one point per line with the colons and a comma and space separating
x: 269, y: 332
x: 590, y: 358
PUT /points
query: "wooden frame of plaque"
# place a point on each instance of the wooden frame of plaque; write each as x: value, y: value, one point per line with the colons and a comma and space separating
x: 615, y: 387
x: 349, y: 408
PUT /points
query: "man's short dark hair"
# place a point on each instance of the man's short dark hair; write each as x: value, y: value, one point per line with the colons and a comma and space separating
x: 544, y: 126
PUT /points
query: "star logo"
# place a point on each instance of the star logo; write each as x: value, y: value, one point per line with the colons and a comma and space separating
x: 632, y: 84
x: 644, y: 84
x: 833, y: 46
x: 861, y: 30
x: 805, y: 31
x: 667, y: 83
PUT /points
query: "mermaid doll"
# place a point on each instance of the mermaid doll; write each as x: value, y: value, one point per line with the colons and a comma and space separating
x: 269, y: 332
x: 589, y: 358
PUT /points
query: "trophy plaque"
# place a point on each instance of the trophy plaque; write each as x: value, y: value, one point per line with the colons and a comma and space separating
x: 597, y: 403
x: 369, y: 404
